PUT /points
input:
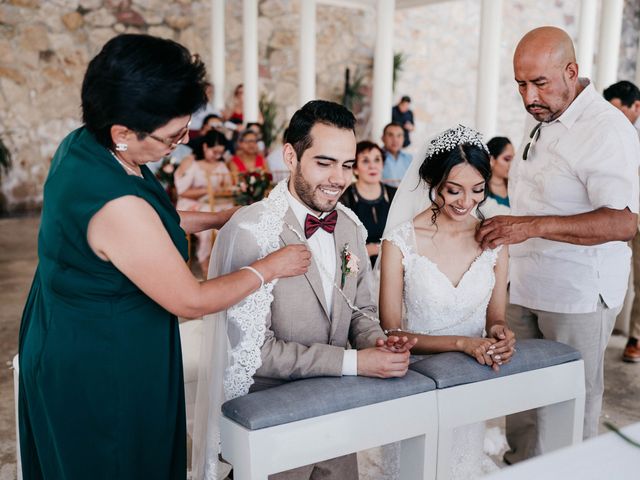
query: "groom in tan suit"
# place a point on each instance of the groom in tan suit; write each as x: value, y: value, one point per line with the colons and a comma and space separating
x: 311, y: 324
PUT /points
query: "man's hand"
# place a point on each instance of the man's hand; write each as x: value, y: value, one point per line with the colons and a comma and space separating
x: 504, y: 230
x: 395, y: 344
x: 381, y: 363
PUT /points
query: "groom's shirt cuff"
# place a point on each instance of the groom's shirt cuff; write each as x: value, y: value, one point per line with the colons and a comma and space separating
x: 350, y: 362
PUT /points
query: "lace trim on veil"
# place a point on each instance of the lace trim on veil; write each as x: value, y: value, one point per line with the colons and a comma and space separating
x: 249, y: 316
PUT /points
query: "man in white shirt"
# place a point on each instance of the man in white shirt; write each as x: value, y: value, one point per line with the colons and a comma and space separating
x: 625, y: 96
x: 574, y: 198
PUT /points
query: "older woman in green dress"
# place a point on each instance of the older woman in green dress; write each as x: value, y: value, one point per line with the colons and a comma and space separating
x: 101, y: 388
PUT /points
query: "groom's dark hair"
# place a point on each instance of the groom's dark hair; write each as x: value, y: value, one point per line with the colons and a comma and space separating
x: 298, y: 132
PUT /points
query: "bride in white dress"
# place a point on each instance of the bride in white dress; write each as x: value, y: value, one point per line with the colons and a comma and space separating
x: 436, y: 282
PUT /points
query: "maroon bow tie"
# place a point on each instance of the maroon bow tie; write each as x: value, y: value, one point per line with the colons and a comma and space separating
x: 312, y: 223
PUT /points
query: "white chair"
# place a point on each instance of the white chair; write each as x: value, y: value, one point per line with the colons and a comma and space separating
x: 542, y: 374
x: 190, y: 340
x: 311, y: 420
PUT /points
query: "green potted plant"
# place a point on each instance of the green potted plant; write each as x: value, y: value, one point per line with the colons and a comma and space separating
x: 270, y: 129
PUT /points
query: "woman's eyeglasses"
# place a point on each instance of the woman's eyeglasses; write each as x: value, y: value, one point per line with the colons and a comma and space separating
x: 174, y: 141
x: 533, y: 138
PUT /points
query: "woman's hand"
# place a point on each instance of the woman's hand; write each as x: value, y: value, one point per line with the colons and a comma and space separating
x: 504, y: 347
x: 289, y: 261
x: 479, y: 348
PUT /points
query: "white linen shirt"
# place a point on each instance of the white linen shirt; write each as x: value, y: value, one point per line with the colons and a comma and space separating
x: 584, y: 160
x: 323, y: 251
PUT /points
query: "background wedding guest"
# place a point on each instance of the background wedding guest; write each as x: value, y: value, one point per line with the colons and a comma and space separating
x: 402, y: 115
x: 625, y: 96
x: 101, y: 381
x: 501, y: 154
x: 275, y: 161
x: 247, y: 158
x: 368, y: 197
x: 396, y: 162
x: 198, y: 179
x: 199, y: 116
x: 233, y: 111
x: 573, y: 191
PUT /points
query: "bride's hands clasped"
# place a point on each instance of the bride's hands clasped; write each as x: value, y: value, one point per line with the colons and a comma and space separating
x: 504, y: 347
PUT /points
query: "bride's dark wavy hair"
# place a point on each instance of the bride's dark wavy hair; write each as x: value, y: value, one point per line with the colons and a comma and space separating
x: 435, y: 170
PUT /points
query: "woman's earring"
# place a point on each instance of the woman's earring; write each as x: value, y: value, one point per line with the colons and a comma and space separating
x: 121, y: 147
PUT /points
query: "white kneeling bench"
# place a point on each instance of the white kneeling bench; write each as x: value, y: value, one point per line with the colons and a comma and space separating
x: 542, y: 373
x: 308, y: 421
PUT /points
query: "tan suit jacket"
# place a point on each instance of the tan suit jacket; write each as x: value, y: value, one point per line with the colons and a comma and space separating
x: 304, y: 336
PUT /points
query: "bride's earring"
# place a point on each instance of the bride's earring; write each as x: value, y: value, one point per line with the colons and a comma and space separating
x: 121, y: 147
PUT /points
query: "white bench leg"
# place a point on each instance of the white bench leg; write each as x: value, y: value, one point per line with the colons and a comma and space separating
x: 561, y: 424
x: 445, y: 447
x: 418, y: 458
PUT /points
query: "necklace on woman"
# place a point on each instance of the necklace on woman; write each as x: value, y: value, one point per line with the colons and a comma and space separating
x: 126, y: 167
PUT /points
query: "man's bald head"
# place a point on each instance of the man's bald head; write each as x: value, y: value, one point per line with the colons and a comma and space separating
x: 551, y: 42
x: 545, y: 68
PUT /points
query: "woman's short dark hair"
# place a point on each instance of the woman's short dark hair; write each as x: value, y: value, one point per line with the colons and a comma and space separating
x: 435, y: 170
x: 365, y: 146
x: 316, y: 111
x: 497, y: 145
x: 141, y: 82
x: 210, y: 139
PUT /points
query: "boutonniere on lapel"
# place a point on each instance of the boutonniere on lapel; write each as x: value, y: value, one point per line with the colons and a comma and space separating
x: 349, y: 264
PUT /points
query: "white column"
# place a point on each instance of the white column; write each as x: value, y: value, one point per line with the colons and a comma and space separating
x: 383, y: 67
x: 609, y: 44
x: 217, y: 53
x: 250, y: 59
x: 637, y: 81
x: 307, y: 65
x: 489, y: 67
x: 586, y: 37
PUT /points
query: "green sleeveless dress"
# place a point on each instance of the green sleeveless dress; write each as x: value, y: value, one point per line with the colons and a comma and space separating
x: 101, y: 382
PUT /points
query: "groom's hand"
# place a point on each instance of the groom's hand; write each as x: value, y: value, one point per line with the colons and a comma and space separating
x: 396, y: 344
x: 381, y: 363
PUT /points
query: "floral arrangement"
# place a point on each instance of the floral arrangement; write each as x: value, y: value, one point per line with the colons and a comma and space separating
x: 349, y: 264
x: 252, y: 187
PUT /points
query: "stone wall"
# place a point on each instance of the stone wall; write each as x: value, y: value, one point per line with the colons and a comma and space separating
x: 45, y: 46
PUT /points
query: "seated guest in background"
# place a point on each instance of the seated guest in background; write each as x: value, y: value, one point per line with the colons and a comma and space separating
x: 198, y: 117
x: 257, y: 128
x: 396, y: 161
x: 215, y: 122
x: 625, y: 96
x: 247, y: 158
x: 501, y: 153
x: 198, y: 175
x: 233, y: 112
x: 275, y: 161
x: 368, y: 197
x: 402, y: 115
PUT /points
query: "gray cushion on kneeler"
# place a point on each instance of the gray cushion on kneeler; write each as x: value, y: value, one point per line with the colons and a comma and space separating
x: 313, y: 397
x: 456, y: 368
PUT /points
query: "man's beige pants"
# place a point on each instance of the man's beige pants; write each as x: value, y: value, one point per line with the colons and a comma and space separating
x: 629, y: 318
x: 588, y: 333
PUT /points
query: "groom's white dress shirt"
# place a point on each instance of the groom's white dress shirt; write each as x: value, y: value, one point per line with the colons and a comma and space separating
x: 323, y: 251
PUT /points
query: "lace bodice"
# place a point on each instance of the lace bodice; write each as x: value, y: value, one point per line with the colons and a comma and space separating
x: 433, y: 305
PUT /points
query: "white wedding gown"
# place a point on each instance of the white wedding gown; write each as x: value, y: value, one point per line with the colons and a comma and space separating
x: 434, y: 306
